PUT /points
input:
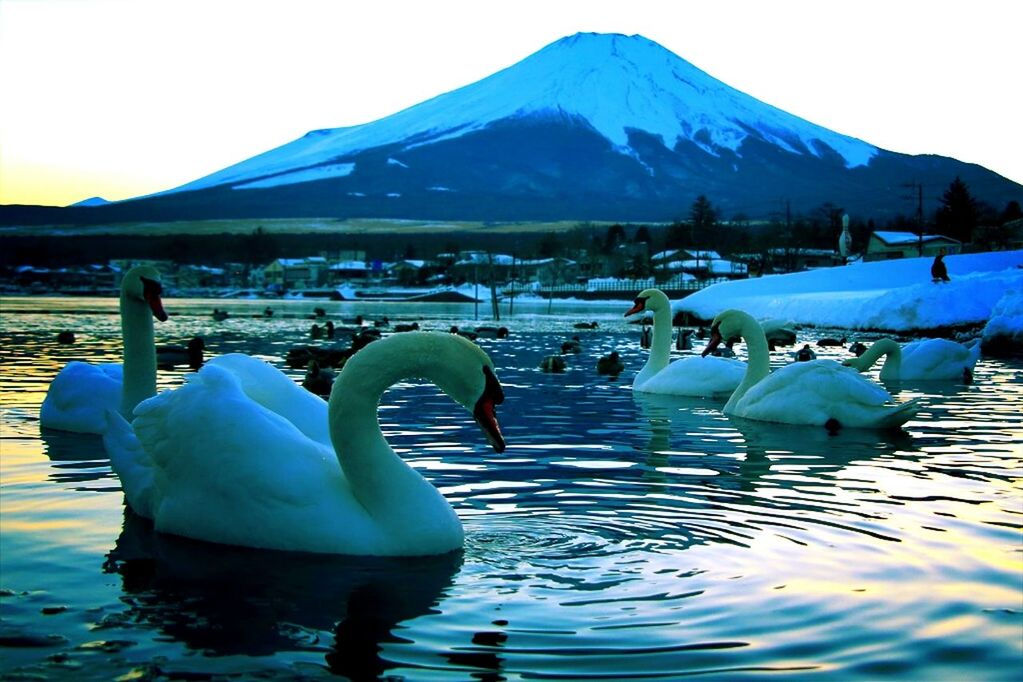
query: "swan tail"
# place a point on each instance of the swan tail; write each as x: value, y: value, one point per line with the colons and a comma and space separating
x: 131, y: 464
x: 902, y: 413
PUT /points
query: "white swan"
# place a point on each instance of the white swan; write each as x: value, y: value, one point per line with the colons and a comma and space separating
x: 928, y: 359
x: 212, y: 464
x: 689, y: 376
x: 818, y: 392
x: 81, y: 393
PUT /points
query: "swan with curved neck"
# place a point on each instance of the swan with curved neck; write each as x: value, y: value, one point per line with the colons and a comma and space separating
x: 81, y: 393
x: 818, y: 392
x: 924, y: 360
x: 211, y: 463
x: 689, y: 376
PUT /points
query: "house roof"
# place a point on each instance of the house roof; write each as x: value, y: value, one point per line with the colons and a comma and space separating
x: 903, y: 238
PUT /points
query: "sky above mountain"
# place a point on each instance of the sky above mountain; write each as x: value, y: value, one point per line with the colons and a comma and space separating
x: 119, y: 99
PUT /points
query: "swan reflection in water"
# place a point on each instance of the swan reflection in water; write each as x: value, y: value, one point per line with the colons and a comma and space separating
x: 226, y: 601
x: 688, y: 436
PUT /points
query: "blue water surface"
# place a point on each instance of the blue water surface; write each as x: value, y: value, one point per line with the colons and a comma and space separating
x: 620, y: 535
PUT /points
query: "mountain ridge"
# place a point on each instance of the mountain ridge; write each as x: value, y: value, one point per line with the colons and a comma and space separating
x: 590, y: 127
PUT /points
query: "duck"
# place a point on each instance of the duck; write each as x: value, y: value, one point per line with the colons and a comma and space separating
x: 299, y: 357
x: 220, y: 315
x: 472, y: 336
x: 822, y: 343
x: 645, y: 336
x: 412, y: 327
x: 491, y: 332
x: 318, y: 380
x: 66, y: 337
x: 815, y: 393
x: 610, y: 364
x: 857, y: 348
x: 553, y: 364
x: 573, y: 345
x: 315, y: 332
x: 174, y: 354
x: 924, y: 360
x: 249, y: 477
x: 684, y: 340
x: 804, y: 354
x: 328, y: 329
x: 585, y: 325
x: 81, y: 393
x: 689, y: 376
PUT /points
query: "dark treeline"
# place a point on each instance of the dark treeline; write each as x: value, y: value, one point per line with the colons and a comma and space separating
x: 959, y: 216
x: 258, y: 248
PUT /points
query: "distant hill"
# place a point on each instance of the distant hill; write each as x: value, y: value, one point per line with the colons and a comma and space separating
x: 591, y: 127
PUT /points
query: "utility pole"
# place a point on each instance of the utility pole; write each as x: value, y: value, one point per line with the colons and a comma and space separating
x: 919, y: 213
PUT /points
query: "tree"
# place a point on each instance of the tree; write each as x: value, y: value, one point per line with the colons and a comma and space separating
x: 643, y: 235
x: 703, y: 218
x: 959, y: 211
x: 615, y: 236
x: 550, y: 246
x: 1012, y: 212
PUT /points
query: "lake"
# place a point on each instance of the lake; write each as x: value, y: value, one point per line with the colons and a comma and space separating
x: 619, y: 536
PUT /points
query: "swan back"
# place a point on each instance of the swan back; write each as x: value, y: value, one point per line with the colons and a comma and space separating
x: 271, y: 388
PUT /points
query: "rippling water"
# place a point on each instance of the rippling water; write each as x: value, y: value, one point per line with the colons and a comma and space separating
x: 619, y: 536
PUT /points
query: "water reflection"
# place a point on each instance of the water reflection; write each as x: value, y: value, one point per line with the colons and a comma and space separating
x: 228, y: 600
x: 620, y: 535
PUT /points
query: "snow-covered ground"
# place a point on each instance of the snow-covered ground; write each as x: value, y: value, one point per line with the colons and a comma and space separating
x: 896, y: 295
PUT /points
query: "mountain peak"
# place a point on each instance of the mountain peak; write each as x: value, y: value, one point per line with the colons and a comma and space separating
x: 613, y: 83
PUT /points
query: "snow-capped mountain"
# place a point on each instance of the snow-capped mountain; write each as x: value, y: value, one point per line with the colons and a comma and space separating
x: 591, y: 127
x: 612, y: 83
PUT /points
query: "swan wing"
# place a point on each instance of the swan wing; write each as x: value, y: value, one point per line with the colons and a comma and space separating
x: 937, y: 359
x: 227, y: 469
x: 274, y: 390
x: 130, y: 462
x: 818, y: 391
x: 80, y: 395
x: 696, y: 376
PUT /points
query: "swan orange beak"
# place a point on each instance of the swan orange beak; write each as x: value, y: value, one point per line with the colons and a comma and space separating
x: 151, y: 291
x: 713, y: 342
x: 640, y: 306
x: 485, y: 412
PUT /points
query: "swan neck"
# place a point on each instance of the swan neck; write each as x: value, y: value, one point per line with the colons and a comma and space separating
x: 892, y: 368
x: 758, y: 362
x: 369, y: 463
x: 660, y: 345
x: 139, y: 354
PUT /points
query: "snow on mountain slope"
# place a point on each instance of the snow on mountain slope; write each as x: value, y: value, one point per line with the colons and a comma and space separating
x: 611, y: 82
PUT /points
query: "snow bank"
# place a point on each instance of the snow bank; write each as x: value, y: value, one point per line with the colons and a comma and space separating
x: 1003, y: 333
x: 895, y: 295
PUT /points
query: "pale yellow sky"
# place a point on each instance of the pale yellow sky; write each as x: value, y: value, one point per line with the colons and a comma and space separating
x: 121, y: 98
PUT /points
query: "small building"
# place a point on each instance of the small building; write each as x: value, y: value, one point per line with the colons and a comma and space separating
x: 296, y: 273
x: 347, y: 270
x: 884, y: 245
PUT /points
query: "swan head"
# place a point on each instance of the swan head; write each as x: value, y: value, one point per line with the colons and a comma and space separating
x: 473, y: 384
x: 142, y: 283
x: 649, y: 299
x: 469, y: 378
x: 456, y: 365
x: 726, y: 325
